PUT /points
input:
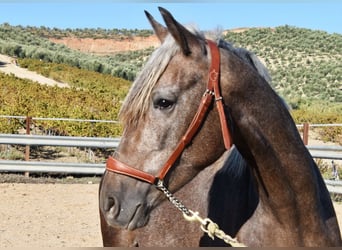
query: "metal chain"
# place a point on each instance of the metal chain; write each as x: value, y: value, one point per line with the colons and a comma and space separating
x: 207, y: 225
x: 177, y: 203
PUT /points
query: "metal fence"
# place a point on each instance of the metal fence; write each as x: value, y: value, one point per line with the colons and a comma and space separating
x: 19, y: 117
x: 57, y: 141
x: 61, y: 141
x: 334, y: 186
x: 324, y: 152
x: 52, y: 167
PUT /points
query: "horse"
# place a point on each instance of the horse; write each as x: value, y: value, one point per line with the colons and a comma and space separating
x: 190, y: 103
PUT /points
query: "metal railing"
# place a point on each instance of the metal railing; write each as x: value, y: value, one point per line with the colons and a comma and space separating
x: 59, y: 141
x: 20, y: 117
x: 62, y: 141
x: 52, y: 167
x: 324, y: 152
x: 334, y: 186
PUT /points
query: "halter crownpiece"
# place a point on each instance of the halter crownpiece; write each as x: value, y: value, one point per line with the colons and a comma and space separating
x: 214, y: 77
x: 213, y: 90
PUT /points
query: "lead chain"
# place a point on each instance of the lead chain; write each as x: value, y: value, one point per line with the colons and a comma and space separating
x: 177, y: 203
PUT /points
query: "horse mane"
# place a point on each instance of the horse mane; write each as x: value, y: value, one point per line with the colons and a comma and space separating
x: 235, y: 165
x: 232, y: 193
x: 136, y: 102
x: 248, y: 57
x: 251, y: 59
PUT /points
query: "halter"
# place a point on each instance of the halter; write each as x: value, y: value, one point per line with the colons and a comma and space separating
x: 212, y: 91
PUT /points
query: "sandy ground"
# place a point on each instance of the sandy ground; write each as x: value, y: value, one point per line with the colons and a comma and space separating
x: 54, y: 215
x: 49, y: 215
x: 9, y: 67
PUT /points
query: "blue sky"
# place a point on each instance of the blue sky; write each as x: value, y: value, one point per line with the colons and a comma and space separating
x: 312, y: 14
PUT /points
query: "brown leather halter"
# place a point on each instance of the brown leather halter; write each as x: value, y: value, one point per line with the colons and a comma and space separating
x: 213, y: 90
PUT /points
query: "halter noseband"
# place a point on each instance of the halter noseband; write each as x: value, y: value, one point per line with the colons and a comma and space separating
x: 213, y: 90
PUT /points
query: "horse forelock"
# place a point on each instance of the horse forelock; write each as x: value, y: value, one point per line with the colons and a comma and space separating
x: 138, y: 98
x: 137, y: 102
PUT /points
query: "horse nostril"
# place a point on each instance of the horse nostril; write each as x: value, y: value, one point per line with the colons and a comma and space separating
x: 112, y: 208
x: 109, y: 203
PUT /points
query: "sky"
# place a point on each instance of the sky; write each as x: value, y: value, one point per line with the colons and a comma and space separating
x: 206, y: 15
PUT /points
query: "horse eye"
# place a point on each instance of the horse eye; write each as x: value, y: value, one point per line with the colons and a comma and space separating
x: 163, y: 104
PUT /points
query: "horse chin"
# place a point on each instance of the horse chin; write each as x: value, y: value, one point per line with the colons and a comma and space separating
x: 139, y: 219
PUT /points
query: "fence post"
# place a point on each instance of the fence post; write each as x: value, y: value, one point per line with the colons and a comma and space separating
x: 27, y: 147
x: 306, y: 133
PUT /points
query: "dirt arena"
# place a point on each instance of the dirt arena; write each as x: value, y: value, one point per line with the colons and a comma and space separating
x: 53, y: 215
x: 49, y: 215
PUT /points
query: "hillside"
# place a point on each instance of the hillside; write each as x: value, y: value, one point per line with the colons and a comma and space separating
x: 10, y: 66
x: 306, y: 65
x: 30, y: 42
x: 105, y: 47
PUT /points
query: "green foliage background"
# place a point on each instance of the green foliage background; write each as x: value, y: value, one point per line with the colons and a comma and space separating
x: 92, y: 96
x: 305, y: 65
x: 31, y: 42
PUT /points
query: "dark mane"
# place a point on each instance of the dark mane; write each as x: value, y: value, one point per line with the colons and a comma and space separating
x: 239, y: 197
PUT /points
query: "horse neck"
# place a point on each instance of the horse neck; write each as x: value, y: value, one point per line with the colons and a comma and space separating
x: 267, y: 137
x: 290, y: 186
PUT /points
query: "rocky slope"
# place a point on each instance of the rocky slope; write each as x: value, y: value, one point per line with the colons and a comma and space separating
x: 107, y: 46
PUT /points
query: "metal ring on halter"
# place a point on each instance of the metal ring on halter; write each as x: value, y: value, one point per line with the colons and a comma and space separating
x: 159, y: 183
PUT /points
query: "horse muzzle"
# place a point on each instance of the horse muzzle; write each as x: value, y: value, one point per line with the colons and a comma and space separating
x: 125, y: 207
x: 128, y: 216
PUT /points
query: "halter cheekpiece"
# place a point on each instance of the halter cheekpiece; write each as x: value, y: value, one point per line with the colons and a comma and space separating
x: 212, y: 92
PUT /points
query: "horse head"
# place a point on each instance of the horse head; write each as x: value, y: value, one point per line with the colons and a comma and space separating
x: 156, y: 114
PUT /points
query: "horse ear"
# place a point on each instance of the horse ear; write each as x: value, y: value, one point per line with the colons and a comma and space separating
x: 160, y: 31
x: 185, y: 39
